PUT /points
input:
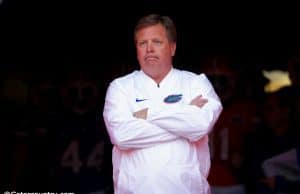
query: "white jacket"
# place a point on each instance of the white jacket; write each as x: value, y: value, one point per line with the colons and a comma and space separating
x: 168, y: 152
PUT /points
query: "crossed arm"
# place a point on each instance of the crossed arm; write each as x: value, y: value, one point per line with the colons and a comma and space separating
x: 198, y: 101
x: 145, y: 128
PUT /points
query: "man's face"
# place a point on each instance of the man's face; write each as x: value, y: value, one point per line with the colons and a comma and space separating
x: 154, y: 51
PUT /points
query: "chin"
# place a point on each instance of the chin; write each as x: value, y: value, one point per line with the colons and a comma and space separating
x: 151, y: 73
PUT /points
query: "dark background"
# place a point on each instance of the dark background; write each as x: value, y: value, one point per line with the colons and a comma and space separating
x: 53, y: 33
x: 42, y: 40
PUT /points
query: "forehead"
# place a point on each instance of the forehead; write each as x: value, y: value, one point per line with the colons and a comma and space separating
x: 153, y: 31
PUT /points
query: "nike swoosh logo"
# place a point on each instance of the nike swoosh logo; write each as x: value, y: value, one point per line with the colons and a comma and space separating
x: 140, y: 100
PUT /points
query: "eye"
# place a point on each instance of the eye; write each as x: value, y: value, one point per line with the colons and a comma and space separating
x: 157, y: 42
x: 142, y: 44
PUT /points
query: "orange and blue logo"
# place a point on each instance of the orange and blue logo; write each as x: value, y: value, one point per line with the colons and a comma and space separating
x: 173, y: 98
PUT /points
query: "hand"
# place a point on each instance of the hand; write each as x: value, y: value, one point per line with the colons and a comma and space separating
x: 141, y: 114
x: 199, y: 101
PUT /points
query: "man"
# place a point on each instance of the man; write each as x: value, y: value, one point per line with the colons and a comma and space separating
x: 159, y: 118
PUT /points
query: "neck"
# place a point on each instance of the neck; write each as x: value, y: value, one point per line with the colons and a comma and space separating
x: 161, y: 76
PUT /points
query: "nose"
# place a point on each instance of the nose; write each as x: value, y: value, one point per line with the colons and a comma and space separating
x: 149, y: 47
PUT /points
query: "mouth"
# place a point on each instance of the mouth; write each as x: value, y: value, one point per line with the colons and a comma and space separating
x: 151, y: 58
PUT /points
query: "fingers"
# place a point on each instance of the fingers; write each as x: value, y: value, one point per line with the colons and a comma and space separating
x: 199, y: 101
x: 141, y: 114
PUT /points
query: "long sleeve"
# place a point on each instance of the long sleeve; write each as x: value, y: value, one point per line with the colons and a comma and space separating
x: 126, y: 131
x: 190, y: 121
x: 159, y: 150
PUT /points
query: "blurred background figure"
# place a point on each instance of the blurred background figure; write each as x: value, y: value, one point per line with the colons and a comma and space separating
x: 275, y: 135
x: 81, y: 147
x: 62, y: 145
x: 33, y: 149
x: 236, y: 121
x: 13, y: 99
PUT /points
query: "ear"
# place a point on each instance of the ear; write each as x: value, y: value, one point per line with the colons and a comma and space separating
x: 173, y: 49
